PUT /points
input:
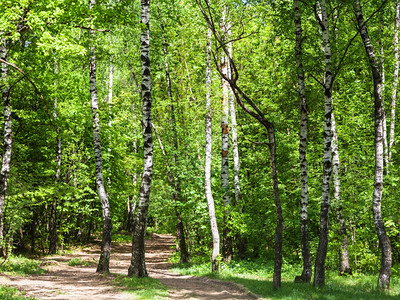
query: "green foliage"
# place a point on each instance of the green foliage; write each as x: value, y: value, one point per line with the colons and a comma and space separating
x: 21, y: 266
x: 10, y: 293
x: 142, y: 287
x: 79, y: 262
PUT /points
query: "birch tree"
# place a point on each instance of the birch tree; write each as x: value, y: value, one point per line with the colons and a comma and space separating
x: 138, y: 265
x: 384, y: 242
x: 7, y: 139
x: 104, y: 261
x: 345, y: 267
x: 305, y: 248
x: 227, y: 251
x: 395, y: 81
x: 319, y: 271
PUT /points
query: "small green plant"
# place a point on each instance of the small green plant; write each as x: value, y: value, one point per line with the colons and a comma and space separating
x: 79, y: 262
x: 142, y: 287
x: 22, y: 266
x: 10, y: 293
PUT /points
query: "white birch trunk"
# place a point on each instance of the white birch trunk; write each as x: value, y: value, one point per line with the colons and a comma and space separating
x: 305, y: 248
x: 138, y: 265
x: 382, y: 59
x: 395, y: 81
x: 319, y: 272
x: 227, y: 251
x: 7, y: 139
x: 207, y: 166
x: 384, y: 242
x: 104, y: 261
x: 337, y: 202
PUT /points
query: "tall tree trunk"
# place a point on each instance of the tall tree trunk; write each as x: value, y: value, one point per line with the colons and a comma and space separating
x: 305, y: 247
x: 175, y: 183
x: 337, y: 202
x: 138, y: 264
x: 227, y: 251
x: 7, y: 141
x: 384, y: 242
x: 104, y: 261
x: 53, y: 218
x: 207, y: 166
x: 319, y: 270
x: 395, y: 81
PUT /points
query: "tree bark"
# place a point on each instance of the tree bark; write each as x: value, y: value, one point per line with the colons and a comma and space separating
x: 345, y: 268
x: 305, y: 247
x: 227, y: 251
x: 104, y: 261
x: 138, y: 265
x: 319, y: 270
x: 7, y: 140
x: 384, y: 242
x: 207, y: 165
x: 395, y: 81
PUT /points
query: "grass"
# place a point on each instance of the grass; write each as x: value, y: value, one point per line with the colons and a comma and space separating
x: 21, y: 266
x: 256, y: 276
x: 79, y: 262
x: 10, y: 293
x: 142, y: 288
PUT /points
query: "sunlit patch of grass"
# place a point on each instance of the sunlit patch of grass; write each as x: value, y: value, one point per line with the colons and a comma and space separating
x: 22, y: 266
x: 142, y: 288
x: 10, y: 293
x: 256, y: 276
x: 79, y: 262
x: 122, y: 237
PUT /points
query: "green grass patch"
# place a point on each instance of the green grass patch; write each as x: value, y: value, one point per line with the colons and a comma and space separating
x: 10, y: 293
x: 124, y: 237
x: 256, y: 276
x: 21, y: 266
x: 79, y: 262
x: 142, y: 288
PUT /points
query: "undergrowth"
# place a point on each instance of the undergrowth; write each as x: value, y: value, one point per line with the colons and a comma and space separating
x: 142, y: 287
x: 256, y: 276
x: 21, y: 266
x: 10, y: 293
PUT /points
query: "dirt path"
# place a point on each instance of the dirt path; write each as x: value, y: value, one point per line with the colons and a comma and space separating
x: 68, y: 282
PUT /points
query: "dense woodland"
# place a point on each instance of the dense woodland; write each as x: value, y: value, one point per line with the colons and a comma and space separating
x: 274, y: 127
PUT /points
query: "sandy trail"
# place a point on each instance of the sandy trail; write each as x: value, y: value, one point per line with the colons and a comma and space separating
x: 79, y: 282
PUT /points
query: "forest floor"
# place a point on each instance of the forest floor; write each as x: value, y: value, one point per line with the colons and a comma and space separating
x: 63, y: 281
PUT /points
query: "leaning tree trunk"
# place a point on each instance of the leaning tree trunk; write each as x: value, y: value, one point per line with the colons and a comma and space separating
x: 7, y: 140
x: 180, y: 230
x: 337, y: 203
x: 384, y: 242
x: 305, y: 247
x: 138, y: 265
x: 104, y: 261
x: 207, y: 167
x: 227, y: 251
x: 395, y: 81
x: 319, y: 270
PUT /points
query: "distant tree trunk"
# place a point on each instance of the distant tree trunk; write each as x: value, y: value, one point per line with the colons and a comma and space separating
x: 104, y: 261
x: 384, y: 242
x: 319, y: 272
x: 175, y: 183
x: 227, y: 251
x: 395, y: 81
x: 305, y: 247
x: 138, y: 264
x: 207, y: 167
x: 7, y: 141
x: 53, y: 218
x: 337, y: 202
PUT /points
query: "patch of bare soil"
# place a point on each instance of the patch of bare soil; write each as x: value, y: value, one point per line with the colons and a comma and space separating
x: 82, y: 282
